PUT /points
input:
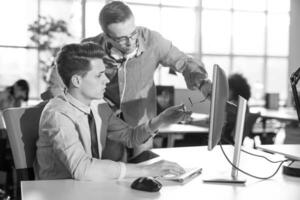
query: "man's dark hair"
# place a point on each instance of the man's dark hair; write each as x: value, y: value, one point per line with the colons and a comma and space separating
x: 114, y: 12
x: 75, y: 59
x: 239, y: 86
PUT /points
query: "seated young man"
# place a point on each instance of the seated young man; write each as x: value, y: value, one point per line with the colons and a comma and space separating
x: 71, y: 132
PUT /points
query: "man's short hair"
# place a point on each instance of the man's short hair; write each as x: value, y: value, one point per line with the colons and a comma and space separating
x: 75, y: 59
x: 114, y: 12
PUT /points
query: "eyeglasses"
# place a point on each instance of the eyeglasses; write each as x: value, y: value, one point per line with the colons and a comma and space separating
x: 124, y: 39
x: 201, y: 101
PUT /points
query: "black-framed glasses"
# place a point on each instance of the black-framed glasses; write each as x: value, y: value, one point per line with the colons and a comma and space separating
x: 124, y: 39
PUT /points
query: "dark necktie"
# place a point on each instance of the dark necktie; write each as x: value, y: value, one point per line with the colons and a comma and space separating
x: 94, y: 142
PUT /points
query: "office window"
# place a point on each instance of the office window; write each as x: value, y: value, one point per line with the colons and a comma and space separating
x: 279, y: 6
x: 222, y: 61
x: 253, y: 69
x: 249, y: 5
x: 277, y: 79
x: 246, y: 36
x: 67, y: 10
x: 19, y: 63
x: 151, y: 2
x: 240, y: 35
x: 216, y: 31
x: 92, y: 26
x: 248, y: 33
x: 142, y: 13
x: 217, y: 4
x: 278, y: 34
x: 179, y: 26
x: 253, y: 35
x: 19, y: 56
x: 15, y: 15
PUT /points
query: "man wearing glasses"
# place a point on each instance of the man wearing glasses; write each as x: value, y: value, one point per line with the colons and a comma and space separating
x: 132, y: 55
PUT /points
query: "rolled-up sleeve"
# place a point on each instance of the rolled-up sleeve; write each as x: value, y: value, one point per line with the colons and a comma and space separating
x: 171, y: 56
x: 120, y: 131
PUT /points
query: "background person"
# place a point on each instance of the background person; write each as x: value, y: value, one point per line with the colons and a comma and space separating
x: 12, y: 96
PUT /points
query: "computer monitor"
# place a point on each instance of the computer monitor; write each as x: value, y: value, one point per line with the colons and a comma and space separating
x: 219, y: 98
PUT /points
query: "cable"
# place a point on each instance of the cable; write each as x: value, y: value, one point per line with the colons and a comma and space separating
x: 260, y: 156
x: 253, y: 154
x: 257, y: 177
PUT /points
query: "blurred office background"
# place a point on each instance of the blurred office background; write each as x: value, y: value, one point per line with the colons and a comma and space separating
x: 258, y: 38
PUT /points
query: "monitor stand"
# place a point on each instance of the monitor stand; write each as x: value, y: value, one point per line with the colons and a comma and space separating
x: 239, y: 130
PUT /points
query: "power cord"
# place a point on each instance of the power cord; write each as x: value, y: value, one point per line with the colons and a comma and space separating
x: 260, y: 156
x: 251, y: 175
x: 253, y: 154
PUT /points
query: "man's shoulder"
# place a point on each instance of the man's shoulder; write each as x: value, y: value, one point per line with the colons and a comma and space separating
x: 149, y: 37
x: 58, y: 105
x: 146, y: 33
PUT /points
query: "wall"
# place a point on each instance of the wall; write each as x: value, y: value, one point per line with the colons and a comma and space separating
x: 294, y: 57
x: 294, y: 43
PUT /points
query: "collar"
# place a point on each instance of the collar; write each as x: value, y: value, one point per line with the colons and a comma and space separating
x: 77, y: 104
x: 141, y: 42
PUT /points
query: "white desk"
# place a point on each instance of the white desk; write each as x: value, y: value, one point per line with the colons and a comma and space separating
x: 199, y: 116
x: 282, y: 114
x: 278, y: 188
x: 175, y: 129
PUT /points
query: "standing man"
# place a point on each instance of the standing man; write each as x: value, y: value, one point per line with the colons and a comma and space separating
x: 72, y: 132
x: 132, y: 56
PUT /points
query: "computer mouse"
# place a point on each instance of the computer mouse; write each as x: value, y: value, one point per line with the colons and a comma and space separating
x: 148, y: 184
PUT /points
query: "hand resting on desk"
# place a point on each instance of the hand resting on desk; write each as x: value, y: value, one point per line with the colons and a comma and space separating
x: 162, y: 168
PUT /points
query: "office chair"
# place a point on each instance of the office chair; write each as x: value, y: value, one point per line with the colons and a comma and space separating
x: 229, y: 128
x: 251, y: 118
x: 22, y: 128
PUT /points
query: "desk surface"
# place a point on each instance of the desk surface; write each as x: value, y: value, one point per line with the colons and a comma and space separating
x: 283, y: 114
x: 187, y: 128
x: 213, y: 163
x: 183, y: 128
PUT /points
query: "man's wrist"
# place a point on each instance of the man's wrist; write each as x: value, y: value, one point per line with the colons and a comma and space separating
x: 154, y: 124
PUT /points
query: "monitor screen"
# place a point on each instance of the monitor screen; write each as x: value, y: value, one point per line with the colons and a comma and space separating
x: 219, y: 97
x: 218, y: 108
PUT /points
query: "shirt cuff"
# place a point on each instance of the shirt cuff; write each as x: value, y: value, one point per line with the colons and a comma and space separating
x: 122, y: 171
x: 180, y: 65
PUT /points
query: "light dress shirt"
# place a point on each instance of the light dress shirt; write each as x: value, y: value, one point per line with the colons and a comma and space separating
x: 64, y: 143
